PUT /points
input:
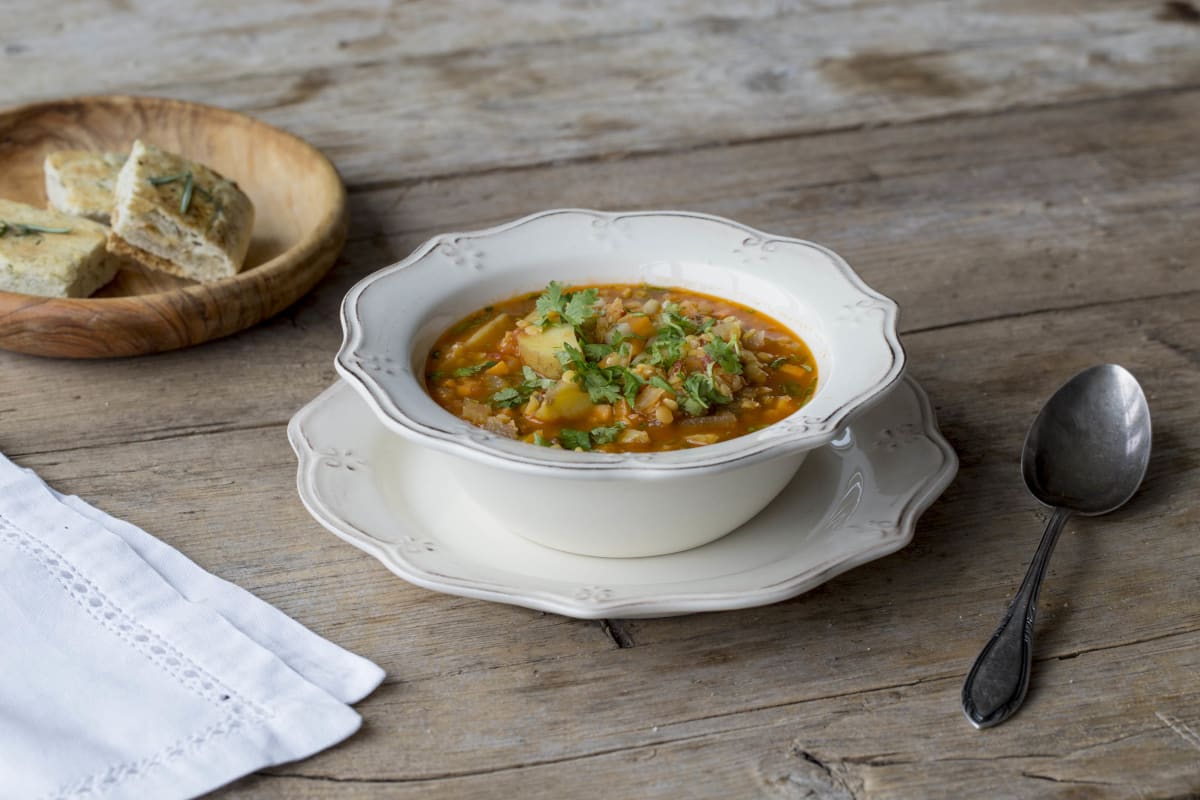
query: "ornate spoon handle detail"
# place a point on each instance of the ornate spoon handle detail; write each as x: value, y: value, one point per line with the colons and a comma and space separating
x: 996, y: 685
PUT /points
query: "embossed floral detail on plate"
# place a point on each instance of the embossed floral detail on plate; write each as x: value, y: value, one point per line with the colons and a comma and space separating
x: 340, y: 459
x: 461, y: 253
x: 891, y: 439
x: 855, y: 314
x: 593, y: 594
x: 756, y: 249
x: 374, y: 363
x: 413, y: 545
x: 793, y: 425
x: 610, y: 232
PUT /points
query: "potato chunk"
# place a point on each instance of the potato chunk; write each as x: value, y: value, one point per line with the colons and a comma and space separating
x: 564, y: 401
x: 539, y: 347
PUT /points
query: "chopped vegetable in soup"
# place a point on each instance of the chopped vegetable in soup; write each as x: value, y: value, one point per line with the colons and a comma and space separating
x: 620, y: 369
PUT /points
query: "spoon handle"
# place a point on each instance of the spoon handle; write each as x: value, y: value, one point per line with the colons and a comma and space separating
x: 996, y: 684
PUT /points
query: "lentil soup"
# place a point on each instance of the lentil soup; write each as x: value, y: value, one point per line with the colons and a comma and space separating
x: 620, y: 368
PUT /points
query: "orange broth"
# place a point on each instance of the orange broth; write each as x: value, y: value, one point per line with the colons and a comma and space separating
x: 620, y: 368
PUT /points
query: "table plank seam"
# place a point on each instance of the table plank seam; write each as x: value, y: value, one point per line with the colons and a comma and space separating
x: 1033, y: 312
x: 215, y: 430
x: 599, y: 157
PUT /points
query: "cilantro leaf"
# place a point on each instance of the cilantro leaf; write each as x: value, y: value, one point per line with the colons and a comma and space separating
x: 700, y: 394
x: 508, y: 398
x: 513, y: 396
x: 661, y: 383
x: 581, y: 307
x: 571, y: 357
x: 603, y: 384
x: 598, y: 350
x: 540, y: 440
x: 573, y: 308
x: 672, y: 319
x: 606, y: 434
x: 665, y: 349
x: 549, y: 303
x: 466, y: 372
x: 575, y: 440
x: 535, y: 381
x: 725, y: 354
x: 631, y: 384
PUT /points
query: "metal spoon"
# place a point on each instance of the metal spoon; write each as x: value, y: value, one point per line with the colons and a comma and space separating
x: 1086, y: 452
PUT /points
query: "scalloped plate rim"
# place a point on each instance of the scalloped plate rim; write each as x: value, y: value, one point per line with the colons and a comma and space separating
x: 919, y: 496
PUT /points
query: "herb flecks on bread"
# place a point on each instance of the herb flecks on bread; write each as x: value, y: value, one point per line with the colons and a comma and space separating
x: 46, y: 253
x: 179, y: 216
x: 81, y: 182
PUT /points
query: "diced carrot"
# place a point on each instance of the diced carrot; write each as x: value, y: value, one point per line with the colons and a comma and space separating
x: 499, y: 368
x: 642, y: 326
x: 466, y: 388
x: 795, y: 371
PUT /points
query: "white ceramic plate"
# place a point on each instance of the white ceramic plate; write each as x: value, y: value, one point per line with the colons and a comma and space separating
x: 852, y: 501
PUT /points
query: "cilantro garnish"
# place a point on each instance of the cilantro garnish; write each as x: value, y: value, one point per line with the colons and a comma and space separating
x: 673, y: 320
x: 700, y: 394
x: 535, y: 381
x: 666, y: 348
x: 725, y: 354
x: 661, y: 383
x: 597, y: 350
x: 550, y: 302
x: 776, y: 363
x: 517, y: 395
x: 606, y: 434
x: 573, y: 439
x: 581, y: 307
x: 540, y: 440
x: 466, y: 372
x: 603, y: 384
x: 574, y: 308
x: 507, y: 398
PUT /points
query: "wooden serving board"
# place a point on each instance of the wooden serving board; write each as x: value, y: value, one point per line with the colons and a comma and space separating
x: 299, y: 229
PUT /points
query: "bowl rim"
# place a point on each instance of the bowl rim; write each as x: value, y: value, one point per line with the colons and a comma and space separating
x: 794, y: 433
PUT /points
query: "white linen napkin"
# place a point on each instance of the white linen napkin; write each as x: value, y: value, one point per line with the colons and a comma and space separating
x: 127, y: 671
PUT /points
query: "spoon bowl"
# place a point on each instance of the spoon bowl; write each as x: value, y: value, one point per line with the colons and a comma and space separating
x: 1089, y: 447
x: 1087, y: 453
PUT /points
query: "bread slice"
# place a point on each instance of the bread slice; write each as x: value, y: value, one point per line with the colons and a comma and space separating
x: 178, y: 216
x: 81, y: 182
x: 51, y: 254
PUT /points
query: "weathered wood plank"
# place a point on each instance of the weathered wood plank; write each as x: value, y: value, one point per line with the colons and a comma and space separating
x: 604, y: 81
x: 902, y: 742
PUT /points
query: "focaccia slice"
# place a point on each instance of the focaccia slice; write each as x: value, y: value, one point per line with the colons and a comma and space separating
x: 179, y: 216
x: 82, y: 182
x: 46, y: 253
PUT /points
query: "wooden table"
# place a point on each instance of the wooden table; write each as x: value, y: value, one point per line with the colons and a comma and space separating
x: 1021, y: 176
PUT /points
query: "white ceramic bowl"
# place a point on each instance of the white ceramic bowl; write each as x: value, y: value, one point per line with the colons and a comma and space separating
x: 604, y: 504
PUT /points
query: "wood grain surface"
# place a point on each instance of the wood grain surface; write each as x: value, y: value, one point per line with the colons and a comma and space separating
x: 299, y: 227
x: 1021, y: 176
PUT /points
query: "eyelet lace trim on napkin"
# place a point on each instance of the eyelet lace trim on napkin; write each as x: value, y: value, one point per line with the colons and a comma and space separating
x: 239, y: 710
x: 115, y: 774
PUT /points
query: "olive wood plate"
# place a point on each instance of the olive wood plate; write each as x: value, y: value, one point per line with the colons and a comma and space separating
x: 299, y: 226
